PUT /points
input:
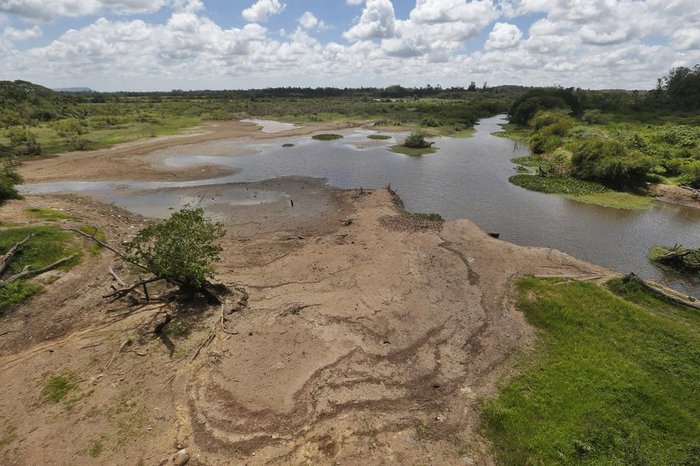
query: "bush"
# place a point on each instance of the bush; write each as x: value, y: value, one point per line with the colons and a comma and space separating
x: 417, y: 140
x: 691, y: 174
x: 180, y: 250
x: 607, y: 161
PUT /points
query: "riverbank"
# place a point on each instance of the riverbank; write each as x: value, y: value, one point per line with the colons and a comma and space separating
x: 129, y: 161
x: 354, y: 319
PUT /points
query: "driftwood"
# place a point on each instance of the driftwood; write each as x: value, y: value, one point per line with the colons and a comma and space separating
x: 667, y: 293
x: 7, y: 258
x: 121, y: 292
x: 107, y: 246
x: 27, y: 272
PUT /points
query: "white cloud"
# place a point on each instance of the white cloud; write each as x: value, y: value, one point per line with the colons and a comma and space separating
x: 377, y: 21
x: 503, y: 36
x: 309, y: 21
x: 41, y: 11
x: 593, y: 43
x: 261, y: 10
x: 15, y: 35
x: 687, y: 39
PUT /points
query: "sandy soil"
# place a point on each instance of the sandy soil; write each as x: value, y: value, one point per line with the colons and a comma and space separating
x: 677, y: 195
x: 367, y: 338
x: 128, y: 161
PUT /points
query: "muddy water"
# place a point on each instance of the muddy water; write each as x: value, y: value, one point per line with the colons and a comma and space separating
x: 466, y: 178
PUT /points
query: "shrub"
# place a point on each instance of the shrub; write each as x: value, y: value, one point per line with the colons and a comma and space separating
x: 417, y: 140
x: 607, y: 161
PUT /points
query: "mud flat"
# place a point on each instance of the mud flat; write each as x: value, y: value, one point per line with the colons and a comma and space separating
x: 368, y: 338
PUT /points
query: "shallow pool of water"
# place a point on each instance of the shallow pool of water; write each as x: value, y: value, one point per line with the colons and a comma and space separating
x: 466, y: 178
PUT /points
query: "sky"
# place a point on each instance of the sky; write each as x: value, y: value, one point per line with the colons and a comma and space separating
x: 111, y: 45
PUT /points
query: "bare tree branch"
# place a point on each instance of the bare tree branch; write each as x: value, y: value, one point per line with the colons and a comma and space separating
x: 6, y: 259
x: 27, y: 272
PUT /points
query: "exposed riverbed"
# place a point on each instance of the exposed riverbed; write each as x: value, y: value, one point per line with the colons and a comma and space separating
x: 466, y: 178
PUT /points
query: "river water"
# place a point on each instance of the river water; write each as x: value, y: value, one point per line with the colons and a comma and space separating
x: 466, y: 178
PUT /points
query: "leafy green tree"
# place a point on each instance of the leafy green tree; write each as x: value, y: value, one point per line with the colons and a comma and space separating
x: 534, y: 100
x: 180, y: 250
x: 682, y: 86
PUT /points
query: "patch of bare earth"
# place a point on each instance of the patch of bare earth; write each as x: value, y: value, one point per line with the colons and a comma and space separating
x: 366, y: 339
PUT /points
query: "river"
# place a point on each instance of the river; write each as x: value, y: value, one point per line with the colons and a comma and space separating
x: 466, y: 178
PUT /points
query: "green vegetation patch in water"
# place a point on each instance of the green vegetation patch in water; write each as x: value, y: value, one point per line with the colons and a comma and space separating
x: 378, y: 137
x: 582, y: 191
x: 614, y: 380
x: 326, y: 137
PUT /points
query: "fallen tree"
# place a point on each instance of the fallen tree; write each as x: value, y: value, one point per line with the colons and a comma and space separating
x: 677, y: 258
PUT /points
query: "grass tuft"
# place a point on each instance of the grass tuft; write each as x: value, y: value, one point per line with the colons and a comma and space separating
x: 49, y: 214
x: 57, y: 388
x: 378, y: 137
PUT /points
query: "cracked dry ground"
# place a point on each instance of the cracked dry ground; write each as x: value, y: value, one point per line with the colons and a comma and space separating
x: 363, y: 342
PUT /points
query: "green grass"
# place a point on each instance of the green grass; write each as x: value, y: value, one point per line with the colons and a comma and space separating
x: 326, y: 137
x: 47, y: 245
x: 581, y: 191
x: 615, y: 380
x: 511, y: 131
x: 56, y: 388
x: 15, y: 293
x: 401, y: 149
x: 49, y: 214
x: 378, y: 137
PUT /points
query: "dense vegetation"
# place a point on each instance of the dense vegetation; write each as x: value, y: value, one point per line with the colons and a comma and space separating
x: 617, y: 138
x: 615, y: 379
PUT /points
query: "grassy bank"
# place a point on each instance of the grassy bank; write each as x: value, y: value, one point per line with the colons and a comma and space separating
x: 615, y: 379
x: 581, y: 191
x: 47, y: 245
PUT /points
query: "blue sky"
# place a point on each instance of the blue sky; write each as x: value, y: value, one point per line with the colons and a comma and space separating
x: 189, y: 44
